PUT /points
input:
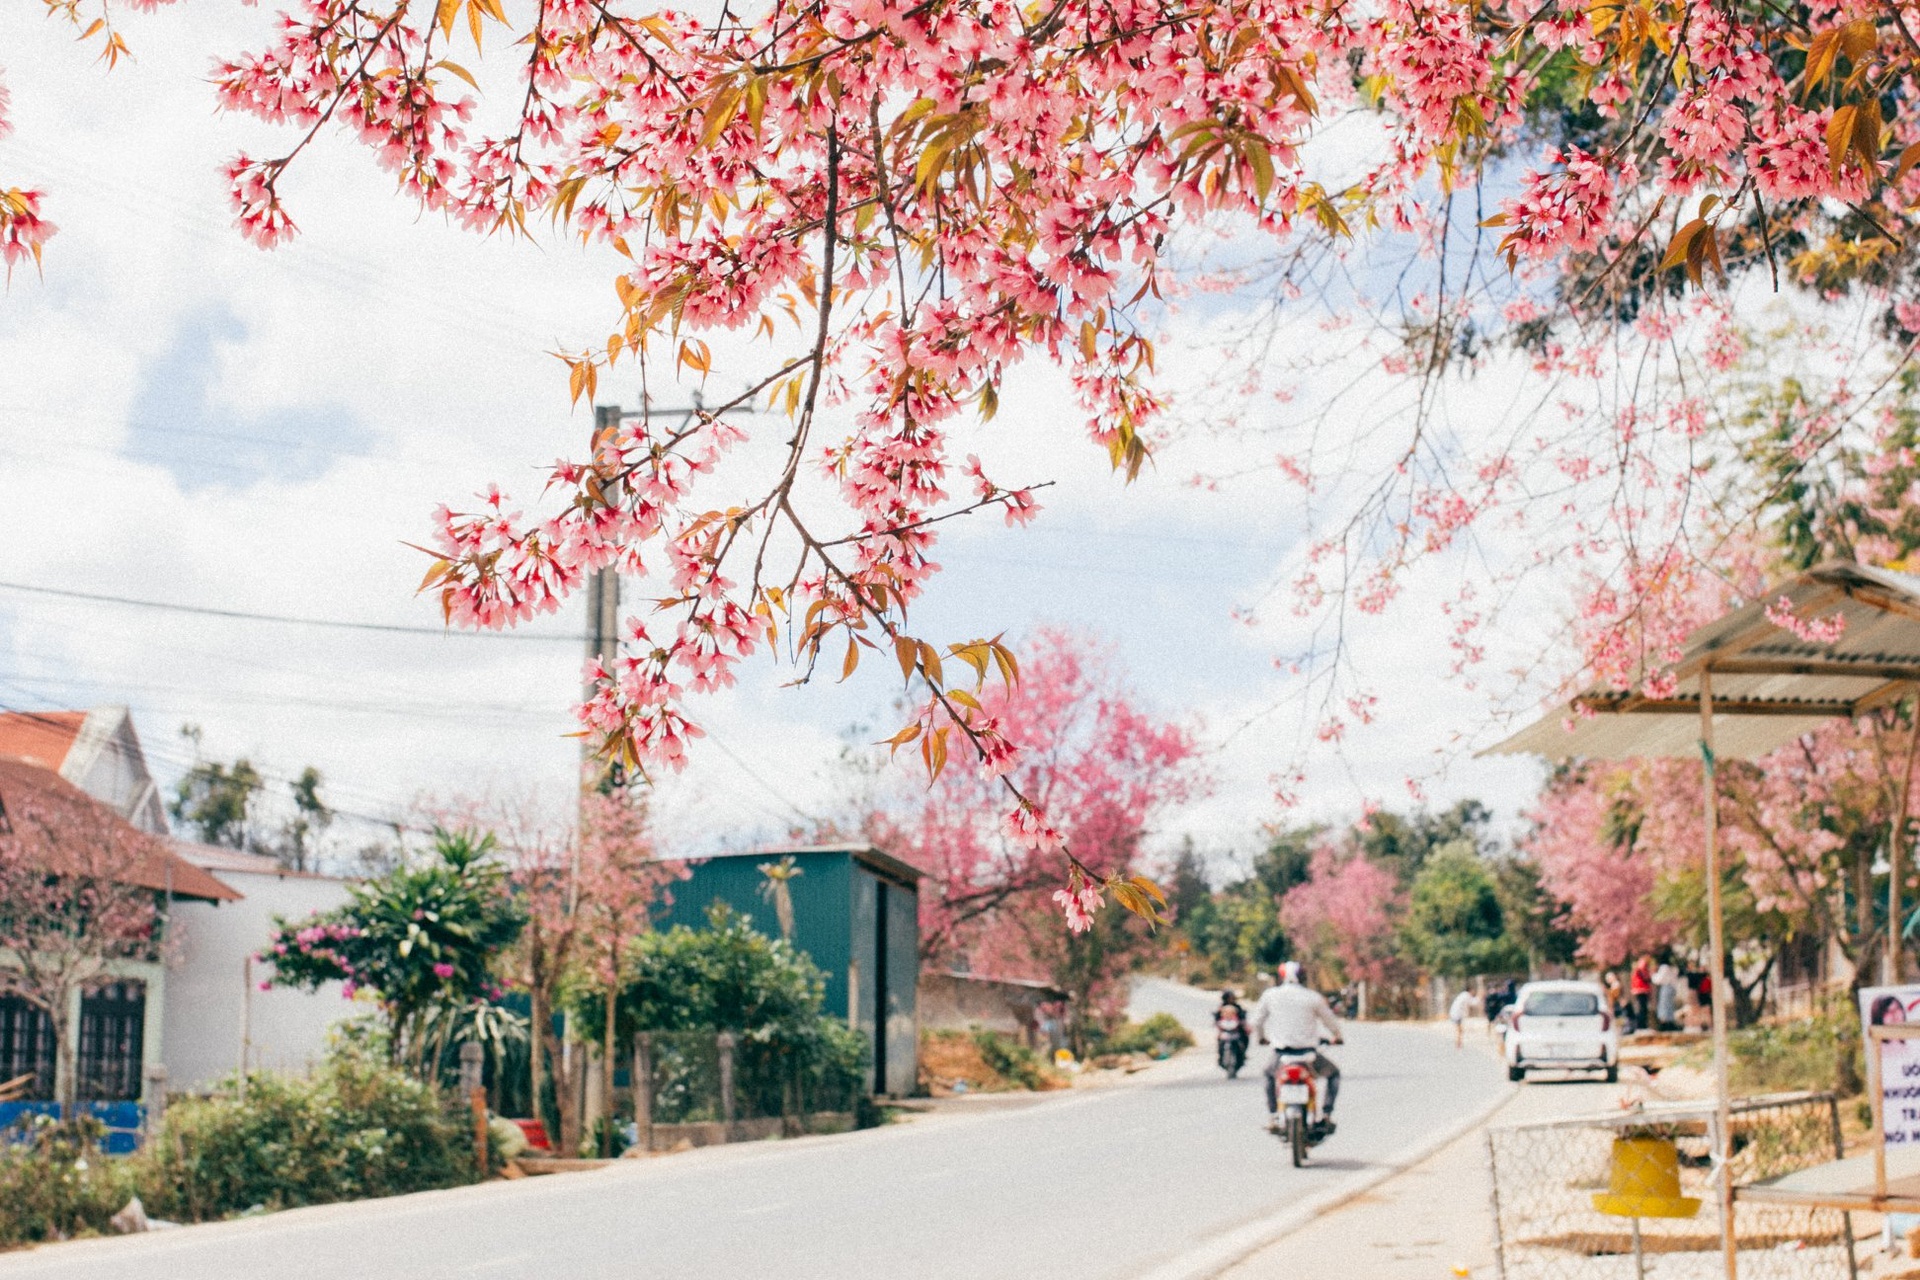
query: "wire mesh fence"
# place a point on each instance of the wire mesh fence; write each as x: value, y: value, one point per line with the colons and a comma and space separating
x: 1584, y: 1199
x: 685, y: 1077
x: 741, y: 1083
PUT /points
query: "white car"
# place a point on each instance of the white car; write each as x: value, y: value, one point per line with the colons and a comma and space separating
x: 1562, y: 1026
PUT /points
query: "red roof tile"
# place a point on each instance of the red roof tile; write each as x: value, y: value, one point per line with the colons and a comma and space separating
x: 158, y: 868
x: 39, y: 737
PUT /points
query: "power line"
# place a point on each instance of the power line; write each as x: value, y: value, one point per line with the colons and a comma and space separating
x: 748, y: 769
x: 265, y: 776
x: 432, y: 709
x: 204, y: 611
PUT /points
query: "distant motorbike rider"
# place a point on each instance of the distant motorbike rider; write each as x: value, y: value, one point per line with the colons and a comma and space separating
x: 1290, y: 1016
x: 1230, y: 1024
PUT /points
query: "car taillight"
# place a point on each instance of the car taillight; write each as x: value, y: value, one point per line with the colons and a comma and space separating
x: 1296, y: 1075
x: 1606, y: 1021
x: 1515, y: 1024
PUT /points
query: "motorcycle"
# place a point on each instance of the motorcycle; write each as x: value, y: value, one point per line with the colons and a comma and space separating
x: 1302, y: 1124
x: 1233, y: 1043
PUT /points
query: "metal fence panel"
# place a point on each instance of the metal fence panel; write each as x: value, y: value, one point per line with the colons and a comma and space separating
x: 1545, y: 1177
x: 770, y: 1079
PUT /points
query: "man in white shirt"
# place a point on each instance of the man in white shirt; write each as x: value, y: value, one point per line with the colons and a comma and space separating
x: 1290, y: 1015
x: 1458, y: 1014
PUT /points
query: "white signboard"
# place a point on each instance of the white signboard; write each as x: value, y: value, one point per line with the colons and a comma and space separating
x: 1899, y: 1061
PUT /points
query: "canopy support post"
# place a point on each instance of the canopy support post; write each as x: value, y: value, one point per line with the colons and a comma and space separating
x: 1717, y: 968
x: 1895, y: 836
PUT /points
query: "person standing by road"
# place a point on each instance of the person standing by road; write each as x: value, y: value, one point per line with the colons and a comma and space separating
x: 1666, y: 993
x: 1458, y: 1013
x: 1640, y: 987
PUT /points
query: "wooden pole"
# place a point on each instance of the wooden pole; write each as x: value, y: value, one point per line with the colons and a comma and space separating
x: 725, y: 1041
x: 1875, y: 1047
x: 472, y: 1077
x: 1717, y: 967
x: 1895, y: 836
x: 643, y: 1087
x: 606, y: 1062
x: 246, y: 1024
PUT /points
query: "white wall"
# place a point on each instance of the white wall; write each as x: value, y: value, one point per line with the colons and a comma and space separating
x: 206, y: 986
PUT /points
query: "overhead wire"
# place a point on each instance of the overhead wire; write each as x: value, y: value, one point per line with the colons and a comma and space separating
x: 242, y: 615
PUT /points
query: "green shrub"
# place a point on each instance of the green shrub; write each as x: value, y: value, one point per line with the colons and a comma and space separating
x: 1806, y: 1053
x: 1011, y: 1059
x: 1160, y: 1034
x: 358, y: 1128
x: 55, y: 1184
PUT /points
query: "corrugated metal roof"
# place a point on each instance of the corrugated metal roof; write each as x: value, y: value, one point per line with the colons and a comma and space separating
x: 871, y: 856
x: 221, y: 861
x: 1769, y: 685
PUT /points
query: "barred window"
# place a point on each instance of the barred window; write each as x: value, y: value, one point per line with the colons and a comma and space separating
x: 26, y: 1045
x: 112, y: 1030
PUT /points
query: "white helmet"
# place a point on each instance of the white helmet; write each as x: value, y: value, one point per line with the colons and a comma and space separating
x: 1290, y: 971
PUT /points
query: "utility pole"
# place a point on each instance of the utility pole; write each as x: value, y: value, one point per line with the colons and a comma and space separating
x: 603, y: 610
x: 603, y: 590
x: 603, y: 593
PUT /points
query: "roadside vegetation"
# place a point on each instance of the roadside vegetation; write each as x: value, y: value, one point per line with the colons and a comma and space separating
x: 982, y: 1061
x: 358, y: 1127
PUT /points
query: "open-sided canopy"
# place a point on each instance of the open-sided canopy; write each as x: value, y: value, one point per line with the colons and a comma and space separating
x: 1769, y: 685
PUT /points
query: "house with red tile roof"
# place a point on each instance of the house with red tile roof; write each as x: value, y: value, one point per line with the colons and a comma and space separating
x: 116, y: 1023
x: 97, y: 751
x: 199, y: 1013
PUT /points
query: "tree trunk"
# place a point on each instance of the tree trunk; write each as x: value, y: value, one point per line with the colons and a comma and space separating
x: 66, y: 1069
x: 1746, y: 1008
x: 565, y: 1099
x: 538, y: 1017
x: 606, y: 1079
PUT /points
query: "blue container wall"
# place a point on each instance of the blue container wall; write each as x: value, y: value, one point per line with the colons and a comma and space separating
x: 859, y: 987
x: 837, y: 909
x: 903, y: 986
x: 819, y: 893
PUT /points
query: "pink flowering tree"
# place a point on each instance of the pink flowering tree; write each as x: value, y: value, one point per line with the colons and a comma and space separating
x: 585, y: 885
x: 1342, y: 918
x: 621, y: 883
x: 1590, y: 861
x: 904, y: 202
x: 1086, y: 751
x: 1619, y: 845
x: 420, y: 939
x: 71, y: 905
x: 1108, y: 770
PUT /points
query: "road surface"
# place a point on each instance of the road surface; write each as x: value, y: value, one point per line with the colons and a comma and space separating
x: 1104, y: 1184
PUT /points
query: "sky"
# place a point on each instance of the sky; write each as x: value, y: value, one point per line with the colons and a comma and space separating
x: 186, y: 419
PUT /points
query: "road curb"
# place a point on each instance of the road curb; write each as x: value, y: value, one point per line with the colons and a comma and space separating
x: 1235, y: 1246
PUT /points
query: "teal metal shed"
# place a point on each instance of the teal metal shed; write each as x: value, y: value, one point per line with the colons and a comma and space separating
x: 856, y: 914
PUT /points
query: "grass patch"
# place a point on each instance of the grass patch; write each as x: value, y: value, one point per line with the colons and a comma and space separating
x: 1159, y: 1036
x: 979, y: 1061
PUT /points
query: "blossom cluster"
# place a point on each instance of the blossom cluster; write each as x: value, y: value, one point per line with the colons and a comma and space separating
x: 910, y: 199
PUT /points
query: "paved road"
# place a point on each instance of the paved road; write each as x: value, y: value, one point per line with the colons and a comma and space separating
x: 1099, y: 1183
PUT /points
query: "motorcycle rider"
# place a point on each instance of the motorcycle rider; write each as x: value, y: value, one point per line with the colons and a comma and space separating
x: 1231, y: 1013
x: 1291, y: 1015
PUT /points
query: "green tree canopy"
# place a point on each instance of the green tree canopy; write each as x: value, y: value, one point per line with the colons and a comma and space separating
x: 1455, y: 925
x: 727, y: 976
